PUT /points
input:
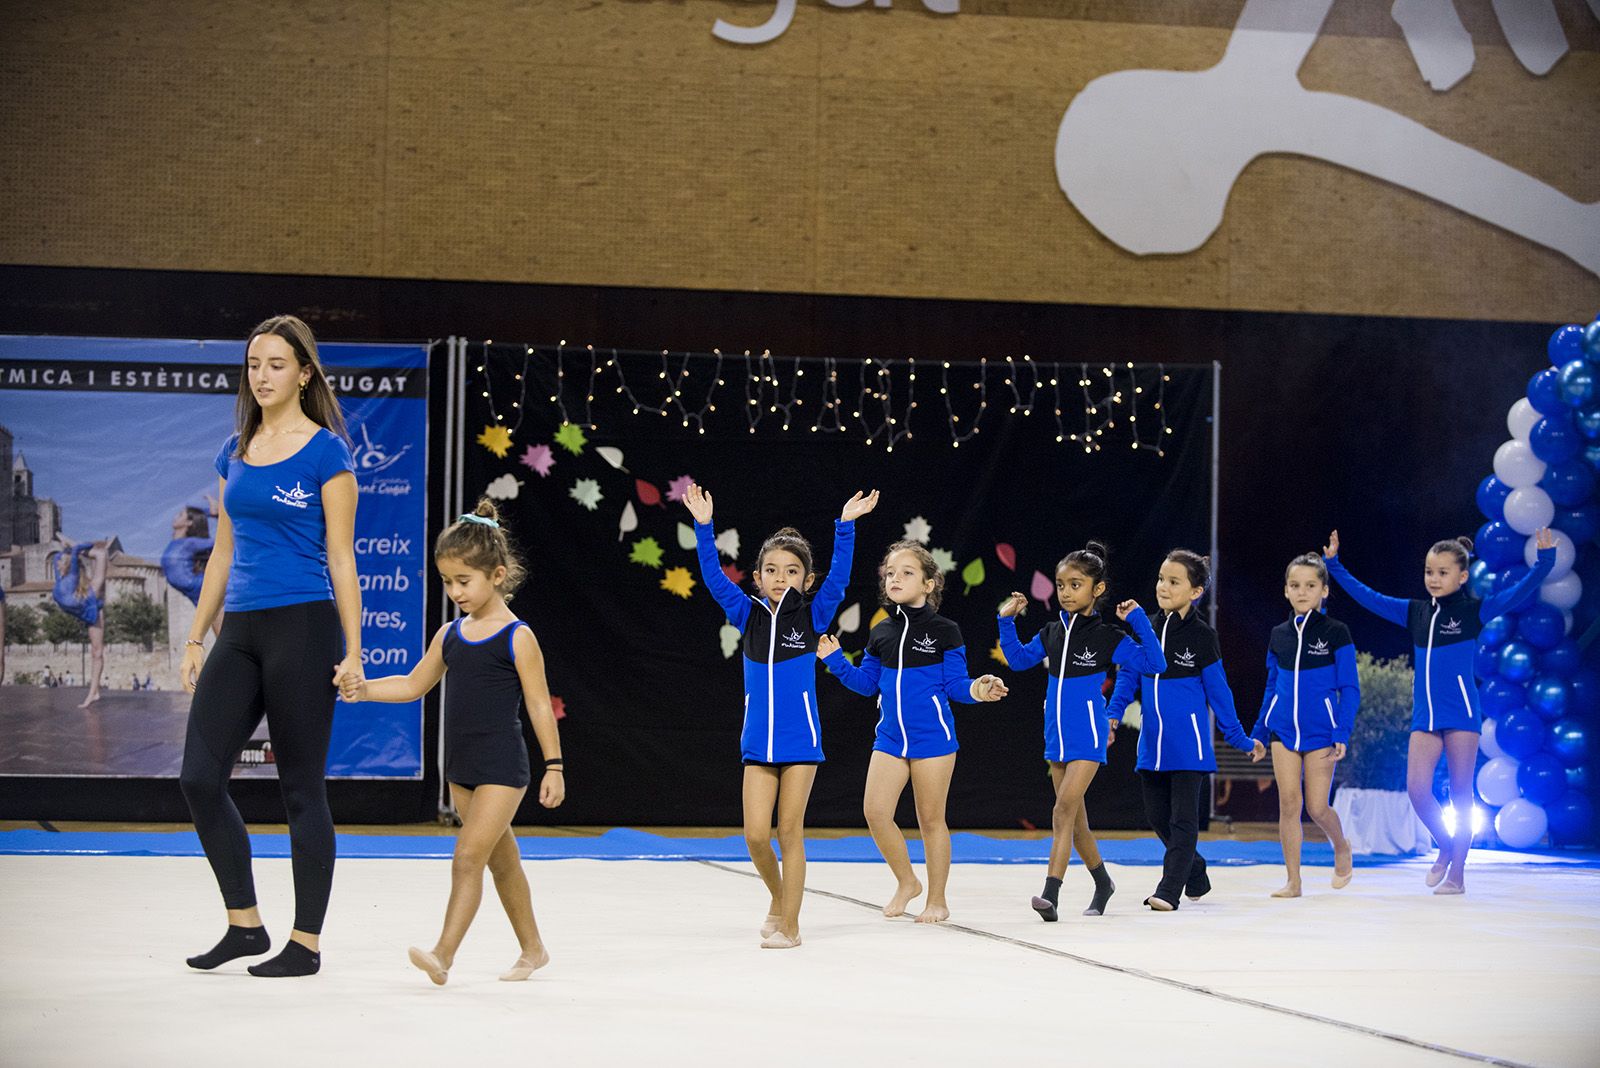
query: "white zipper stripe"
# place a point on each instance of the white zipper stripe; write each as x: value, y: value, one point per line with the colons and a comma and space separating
x: 772, y: 663
x: 1155, y: 692
x: 1094, y: 728
x: 938, y: 710
x: 1332, y: 722
x: 806, y: 700
x: 1427, y: 665
x: 1199, y: 746
x: 1464, y: 698
x: 899, y: 674
x: 1299, y: 640
x: 1061, y: 678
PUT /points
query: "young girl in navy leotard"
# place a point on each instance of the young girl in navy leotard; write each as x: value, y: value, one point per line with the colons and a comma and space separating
x: 496, y: 670
x: 782, y: 736
x: 916, y: 662
x: 1445, y: 718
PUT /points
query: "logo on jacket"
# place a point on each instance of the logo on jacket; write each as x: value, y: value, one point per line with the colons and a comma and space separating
x: 1184, y: 659
x: 1318, y: 648
x: 793, y: 640
x: 1084, y: 658
x: 1450, y: 626
x: 925, y: 644
x: 294, y: 498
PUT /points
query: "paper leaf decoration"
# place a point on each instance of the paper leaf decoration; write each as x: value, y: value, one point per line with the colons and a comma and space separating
x: 728, y: 543
x: 735, y: 576
x: 629, y: 521
x: 646, y: 551
x: 1043, y: 589
x: 998, y: 654
x: 497, y: 439
x: 677, y: 580
x: 850, y: 619
x: 571, y: 438
x: 943, y: 560
x: 729, y: 637
x: 918, y: 530
x: 558, y: 707
x: 973, y: 575
x: 686, y: 537
x: 586, y: 491
x: 678, y: 487
x: 1006, y: 555
x: 611, y: 455
x: 648, y: 494
x: 539, y: 458
x: 503, y: 488
x: 877, y: 617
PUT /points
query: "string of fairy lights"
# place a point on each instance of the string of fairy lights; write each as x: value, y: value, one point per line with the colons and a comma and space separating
x: 875, y: 396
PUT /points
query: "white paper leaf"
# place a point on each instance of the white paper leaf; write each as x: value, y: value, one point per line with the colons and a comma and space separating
x: 728, y: 543
x: 629, y: 521
x: 850, y: 619
x: 611, y: 455
x: 503, y: 488
x: 729, y: 636
x: 685, y: 536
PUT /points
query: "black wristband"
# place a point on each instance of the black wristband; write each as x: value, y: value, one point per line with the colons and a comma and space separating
x: 556, y: 760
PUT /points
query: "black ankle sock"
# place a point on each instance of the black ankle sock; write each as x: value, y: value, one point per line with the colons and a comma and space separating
x: 238, y: 942
x: 1103, y: 889
x: 1052, y: 890
x: 295, y: 959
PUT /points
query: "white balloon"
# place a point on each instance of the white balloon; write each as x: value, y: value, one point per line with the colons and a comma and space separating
x: 1497, y: 781
x: 1566, y: 552
x: 1486, y: 741
x: 1521, y: 418
x: 1564, y: 592
x: 1529, y: 508
x: 1520, y: 823
x: 1516, y: 465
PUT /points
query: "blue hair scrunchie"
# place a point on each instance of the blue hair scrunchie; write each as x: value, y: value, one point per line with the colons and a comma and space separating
x: 485, y: 520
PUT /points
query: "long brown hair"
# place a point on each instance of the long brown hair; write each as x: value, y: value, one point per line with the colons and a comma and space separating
x: 316, y: 399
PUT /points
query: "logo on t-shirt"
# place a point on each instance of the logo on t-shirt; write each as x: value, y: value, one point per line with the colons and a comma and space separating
x: 1085, y: 658
x: 294, y: 498
x: 1450, y: 626
x: 1318, y: 648
x: 1184, y: 659
x: 793, y: 640
x: 925, y: 644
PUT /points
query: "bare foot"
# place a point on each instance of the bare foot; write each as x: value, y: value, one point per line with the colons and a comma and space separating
x: 1287, y: 890
x: 526, y: 965
x: 902, y: 897
x: 94, y: 695
x: 438, y: 971
x: 934, y: 914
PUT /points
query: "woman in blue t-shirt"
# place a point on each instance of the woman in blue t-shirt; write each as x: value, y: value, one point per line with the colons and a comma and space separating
x: 283, y: 566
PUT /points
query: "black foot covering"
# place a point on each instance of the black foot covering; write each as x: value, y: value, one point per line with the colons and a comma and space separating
x: 294, y: 960
x: 1045, y: 904
x: 1103, y: 889
x: 238, y: 942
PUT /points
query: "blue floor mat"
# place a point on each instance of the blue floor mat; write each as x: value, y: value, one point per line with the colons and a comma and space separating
x: 625, y: 844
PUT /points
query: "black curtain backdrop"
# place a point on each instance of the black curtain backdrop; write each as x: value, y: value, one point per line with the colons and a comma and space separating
x: 653, y: 709
x: 1380, y: 426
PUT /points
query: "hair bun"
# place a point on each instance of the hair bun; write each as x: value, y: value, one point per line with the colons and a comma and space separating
x: 786, y: 532
x: 486, y: 508
x: 1098, y: 548
x: 1465, y: 542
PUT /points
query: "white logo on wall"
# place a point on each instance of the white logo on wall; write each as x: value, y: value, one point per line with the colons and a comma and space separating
x: 294, y: 498
x: 1150, y: 156
x: 374, y: 458
x: 783, y: 14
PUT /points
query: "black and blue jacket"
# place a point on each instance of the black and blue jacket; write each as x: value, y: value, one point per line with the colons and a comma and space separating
x: 917, y: 665
x: 1444, y: 632
x: 1078, y: 652
x: 1180, y: 700
x: 780, y: 652
x: 1312, y: 691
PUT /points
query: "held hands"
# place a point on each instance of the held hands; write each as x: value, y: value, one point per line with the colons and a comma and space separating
x: 698, y: 501
x: 1015, y: 605
x: 827, y: 645
x: 1331, y: 550
x: 1125, y: 609
x: 1258, y: 752
x: 989, y: 688
x: 552, y: 788
x: 189, y: 670
x: 859, y: 505
x: 349, y: 678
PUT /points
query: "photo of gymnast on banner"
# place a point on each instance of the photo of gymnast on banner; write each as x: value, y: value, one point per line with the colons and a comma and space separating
x: 109, y: 518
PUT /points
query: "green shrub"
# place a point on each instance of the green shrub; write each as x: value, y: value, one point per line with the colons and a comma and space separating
x: 1376, y: 759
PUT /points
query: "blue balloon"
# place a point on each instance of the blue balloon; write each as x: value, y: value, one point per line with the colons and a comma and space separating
x: 1541, y: 626
x: 1498, y: 545
x: 1480, y: 579
x: 1492, y: 494
x: 1561, y: 660
x: 1569, y: 483
x: 1544, y: 391
x: 1517, y: 661
x: 1548, y: 697
x: 1578, y: 777
x: 1498, y: 696
x: 1520, y: 733
x: 1541, y: 778
x: 1555, y: 438
x: 1586, y: 423
x: 1569, y: 741
x: 1486, y: 661
x: 1498, y: 631
x: 1583, y: 693
x: 1571, y: 819
x: 1591, y: 341
x: 1577, y: 383
x: 1591, y: 456
x: 1566, y: 344
x: 1580, y: 524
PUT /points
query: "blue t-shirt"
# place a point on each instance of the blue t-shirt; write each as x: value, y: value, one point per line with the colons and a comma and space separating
x: 280, y: 547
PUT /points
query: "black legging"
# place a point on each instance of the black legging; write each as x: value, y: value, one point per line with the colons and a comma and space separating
x: 1172, y: 805
x: 277, y: 661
